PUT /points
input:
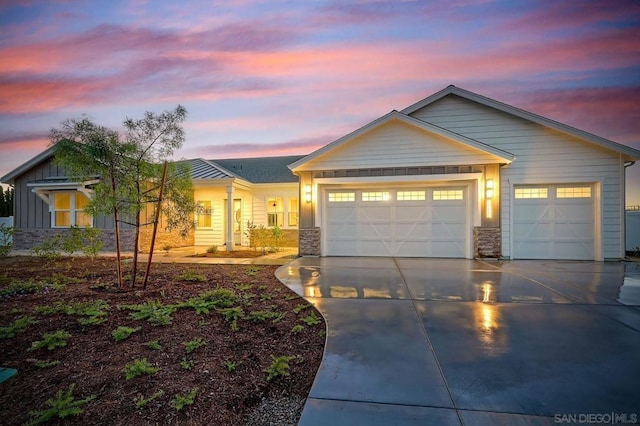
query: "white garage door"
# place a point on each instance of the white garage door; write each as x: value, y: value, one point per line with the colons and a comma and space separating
x: 554, y: 222
x: 415, y: 222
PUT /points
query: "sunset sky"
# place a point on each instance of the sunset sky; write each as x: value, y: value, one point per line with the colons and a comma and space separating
x: 286, y: 77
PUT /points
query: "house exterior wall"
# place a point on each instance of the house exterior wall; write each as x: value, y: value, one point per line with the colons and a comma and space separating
x: 543, y: 156
x: 401, y: 145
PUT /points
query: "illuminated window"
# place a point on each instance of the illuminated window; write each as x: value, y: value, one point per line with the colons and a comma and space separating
x: 411, y: 196
x: 448, y: 194
x: 293, y: 212
x: 204, y: 214
x: 342, y: 197
x: 68, y: 210
x: 375, y: 196
x: 574, y: 192
x: 531, y: 192
x: 275, y: 212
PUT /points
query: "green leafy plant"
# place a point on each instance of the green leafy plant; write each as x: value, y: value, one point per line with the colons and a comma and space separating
x: 91, y: 313
x: 194, y: 344
x: 297, y: 328
x: 152, y: 311
x: 154, y: 344
x: 232, y: 365
x: 186, y: 364
x: 63, y: 405
x: 141, y: 401
x: 212, y: 249
x: 17, y: 289
x: 51, y: 341
x: 220, y: 297
x: 299, y: 308
x: 45, y: 364
x: 181, y: 401
x: 191, y: 275
x: 311, y: 319
x: 279, y: 367
x: 49, y: 248
x: 252, y: 270
x: 167, y: 248
x: 17, y: 326
x: 123, y: 332
x: 233, y: 315
x: 139, y: 367
x: 85, y: 240
x: 6, y: 239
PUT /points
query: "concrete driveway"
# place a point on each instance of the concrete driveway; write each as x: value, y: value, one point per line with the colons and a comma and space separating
x: 449, y: 342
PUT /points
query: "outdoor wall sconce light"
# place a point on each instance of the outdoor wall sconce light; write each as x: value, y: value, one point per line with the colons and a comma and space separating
x: 307, y: 193
x: 489, y: 189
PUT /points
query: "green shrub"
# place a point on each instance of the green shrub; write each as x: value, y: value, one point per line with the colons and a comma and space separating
x: 181, y: 401
x: 191, y: 275
x: 212, y: 249
x: 154, y: 344
x: 299, y: 308
x: 49, y: 248
x: 123, y: 332
x: 311, y: 319
x: 152, y: 311
x: 186, y: 364
x: 6, y: 239
x: 279, y: 367
x: 232, y: 365
x: 138, y: 368
x: 194, y: 344
x: 46, y: 364
x: 18, y: 326
x: 51, y: 341
x: 141, y: 401
x: 63, y: 405
x: 297, y: 328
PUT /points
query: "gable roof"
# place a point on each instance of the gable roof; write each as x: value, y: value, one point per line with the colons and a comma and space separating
x: 203, y: 169
x: 395, y: 115
x: 27, y: 165
x: 632, y: 153
x: 261, y: 169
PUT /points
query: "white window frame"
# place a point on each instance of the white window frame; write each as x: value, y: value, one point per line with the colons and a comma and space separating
x: 342, y: 197
x: 447, y: 194
x: 205, y: 212
x: 411, y: 195
x: 72, y: 209
x: 372, y: 196
x: 563, y: 192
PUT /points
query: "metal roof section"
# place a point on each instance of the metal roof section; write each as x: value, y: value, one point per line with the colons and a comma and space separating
x: 395, y: 115
x: 261, y: 169
x: 631, y: 153
x: 203, y: 169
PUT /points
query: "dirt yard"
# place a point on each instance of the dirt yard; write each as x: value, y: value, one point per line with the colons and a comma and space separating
x: 204, y: 344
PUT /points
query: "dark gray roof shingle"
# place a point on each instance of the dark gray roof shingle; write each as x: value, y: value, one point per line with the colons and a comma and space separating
x: 261, y: 169
x: 203, y: 169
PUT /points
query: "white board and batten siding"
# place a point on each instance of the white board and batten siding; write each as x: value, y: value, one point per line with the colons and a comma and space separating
x: 398, y: 144
x: 543, y: 156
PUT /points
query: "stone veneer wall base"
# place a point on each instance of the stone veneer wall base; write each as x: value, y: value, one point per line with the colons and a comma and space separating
x: 487, y: 243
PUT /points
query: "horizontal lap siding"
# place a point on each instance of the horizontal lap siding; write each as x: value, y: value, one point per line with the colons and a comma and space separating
x: 397, y: 144
x: 542, y: 155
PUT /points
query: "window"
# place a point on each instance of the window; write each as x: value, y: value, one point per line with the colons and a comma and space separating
x: 531, y: 192
x: 574, y: 192
x: 204, y: 214
x: 375, y: 196
x: 411, y: 196
x: 448, y: 194
x: 68, y: 210
x: 342, y: 197
x: 275, y: 212
x: 293, y: 212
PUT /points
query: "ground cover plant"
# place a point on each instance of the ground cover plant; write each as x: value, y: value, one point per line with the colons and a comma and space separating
x: 182, y: 352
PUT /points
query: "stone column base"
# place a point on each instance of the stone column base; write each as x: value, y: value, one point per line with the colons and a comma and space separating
x: 487, y: 242
x: 309, y: 242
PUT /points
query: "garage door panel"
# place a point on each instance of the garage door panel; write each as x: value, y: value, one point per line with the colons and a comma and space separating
x: 412, y: 224
x: 554, y: 226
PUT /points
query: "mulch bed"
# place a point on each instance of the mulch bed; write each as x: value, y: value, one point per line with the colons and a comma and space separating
x: 95, y: 362
x: 235, y: 254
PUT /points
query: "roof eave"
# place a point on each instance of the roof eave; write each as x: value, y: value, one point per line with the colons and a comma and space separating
x: 27, y: 165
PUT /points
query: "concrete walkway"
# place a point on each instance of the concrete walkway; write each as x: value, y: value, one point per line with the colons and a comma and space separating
x: 450, y: 342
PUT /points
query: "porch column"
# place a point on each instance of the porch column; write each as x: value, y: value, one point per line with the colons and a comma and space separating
x: 229, y: 242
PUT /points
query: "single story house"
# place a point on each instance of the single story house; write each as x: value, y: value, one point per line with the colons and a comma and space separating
x: 263, y: 192
x: 460, y: 175
x: 454, y: 175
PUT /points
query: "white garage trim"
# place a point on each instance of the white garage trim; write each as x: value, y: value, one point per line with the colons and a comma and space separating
x: 555, y: 199
x: 386, y: 239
